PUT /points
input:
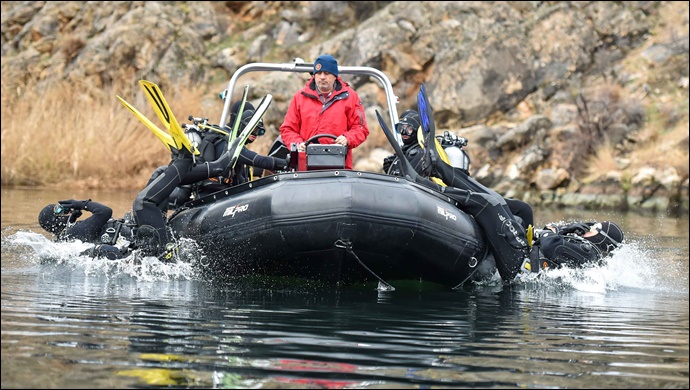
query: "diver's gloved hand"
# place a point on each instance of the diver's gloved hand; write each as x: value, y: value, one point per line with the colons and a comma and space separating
x: 281, y: 164
x: 73, y: 216
x: 72, y: 204
x: 428, y: 164
x: 387, y: 162
x: 184, y: 153
x: 576, y: 228
x: 220, y: 165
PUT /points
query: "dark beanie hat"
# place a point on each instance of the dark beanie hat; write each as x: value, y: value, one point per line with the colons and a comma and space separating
x: 411, y: 117
x: 235, y: 108
x: 609, y: 238
x: 326, y: 63
x: 50, y: 221
x: 247, y: 115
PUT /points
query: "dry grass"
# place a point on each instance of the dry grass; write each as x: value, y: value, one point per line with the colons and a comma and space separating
x: 67, y: 133
x: 661, y: 142
x: 602, y: 162
x: 660, y: 151
x: 596, y: 109
x: 71, y: 47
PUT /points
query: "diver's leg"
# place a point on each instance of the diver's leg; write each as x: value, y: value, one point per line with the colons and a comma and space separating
x: 521, y: 209
x: 147, y: 205
x: 507, y: 238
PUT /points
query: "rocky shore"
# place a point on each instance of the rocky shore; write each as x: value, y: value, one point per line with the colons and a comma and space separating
x: 565, y: 104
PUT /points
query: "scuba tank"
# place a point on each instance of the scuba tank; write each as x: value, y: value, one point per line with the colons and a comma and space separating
x: 453, y: 146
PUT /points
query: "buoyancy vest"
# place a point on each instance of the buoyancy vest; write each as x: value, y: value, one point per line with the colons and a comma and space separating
x: 557, y: 250
x: 117, y: 232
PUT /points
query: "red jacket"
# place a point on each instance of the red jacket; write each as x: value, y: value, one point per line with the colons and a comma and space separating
x: 343, y: 114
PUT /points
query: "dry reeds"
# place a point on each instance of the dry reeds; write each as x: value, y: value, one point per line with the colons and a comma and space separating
x: 63, y: 132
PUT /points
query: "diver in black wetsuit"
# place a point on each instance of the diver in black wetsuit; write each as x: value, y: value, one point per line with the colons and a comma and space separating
x: 152, y: 235
x: 210, y: 173
x: 249, y: 163
x: 112, y: 237
x: 574, y: 245
x: 504, y: 221
x: 505, y: 232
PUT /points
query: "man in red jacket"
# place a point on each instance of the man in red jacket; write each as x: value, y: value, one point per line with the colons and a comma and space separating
x: 326, y: 105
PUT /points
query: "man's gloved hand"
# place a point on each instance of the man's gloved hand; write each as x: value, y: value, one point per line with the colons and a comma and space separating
x: 74, y: 204
x: 576, y: 228
x: 387, y: 162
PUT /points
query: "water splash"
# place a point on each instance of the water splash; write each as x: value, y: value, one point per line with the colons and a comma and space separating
x: 633, y: 266
x: 637, y: 265
x: 36, y: 249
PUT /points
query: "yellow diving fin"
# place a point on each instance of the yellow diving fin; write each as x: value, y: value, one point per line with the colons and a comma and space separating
x: 162, y: 135
x: 441, y: 152
x: 420, y: 137
x: 160, y: 106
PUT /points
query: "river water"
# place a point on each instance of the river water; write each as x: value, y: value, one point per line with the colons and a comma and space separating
x: 69, y: 322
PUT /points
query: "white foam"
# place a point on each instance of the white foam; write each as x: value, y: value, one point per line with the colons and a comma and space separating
x: 630, y: 267
x: 46, y: 251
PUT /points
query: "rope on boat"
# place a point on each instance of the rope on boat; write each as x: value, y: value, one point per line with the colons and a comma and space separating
x: 347, y: 245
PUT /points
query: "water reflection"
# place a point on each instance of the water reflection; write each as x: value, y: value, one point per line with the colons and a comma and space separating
x: 192, y: 334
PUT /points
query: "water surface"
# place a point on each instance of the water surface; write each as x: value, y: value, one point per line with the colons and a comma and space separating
x: 71, y: 322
